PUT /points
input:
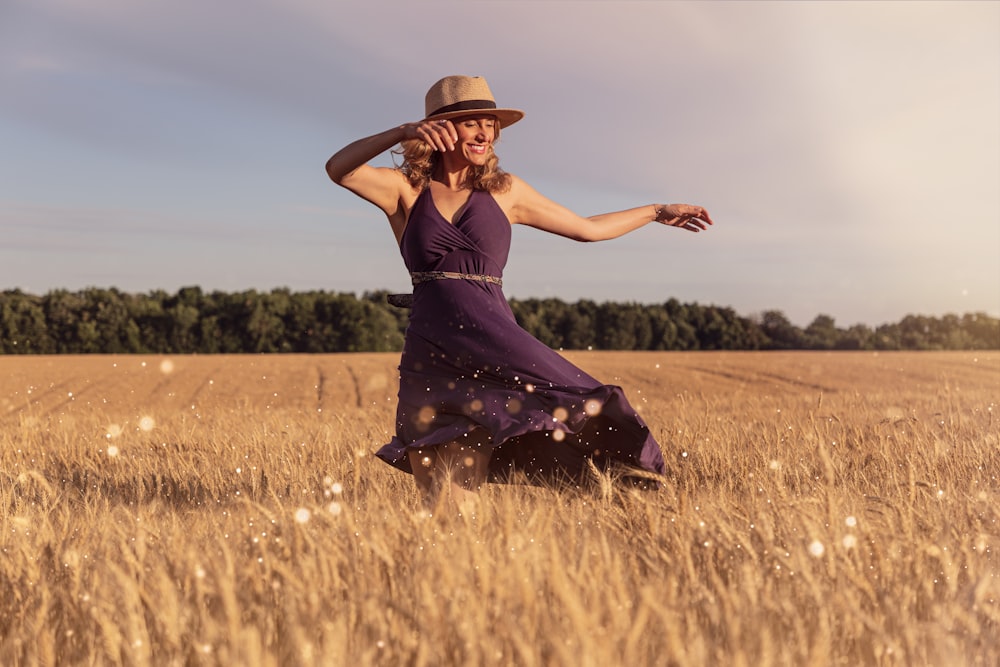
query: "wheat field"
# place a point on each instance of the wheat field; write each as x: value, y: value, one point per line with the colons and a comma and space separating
x: 819, y: 509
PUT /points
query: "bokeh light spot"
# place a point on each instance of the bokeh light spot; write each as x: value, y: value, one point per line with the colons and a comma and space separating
x: 426, y: 415
x: 816, y: 549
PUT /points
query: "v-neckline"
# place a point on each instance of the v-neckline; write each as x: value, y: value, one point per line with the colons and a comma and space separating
x: 457, y: 215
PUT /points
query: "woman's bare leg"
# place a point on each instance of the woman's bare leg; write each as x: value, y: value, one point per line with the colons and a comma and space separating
x: 451, y: 474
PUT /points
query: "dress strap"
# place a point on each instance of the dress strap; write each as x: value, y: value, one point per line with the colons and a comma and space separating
x: 418, y: 277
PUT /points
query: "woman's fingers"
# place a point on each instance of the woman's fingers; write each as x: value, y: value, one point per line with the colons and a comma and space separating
x: 685, y: 216
x: 695, y: 225
x: 440, y: 134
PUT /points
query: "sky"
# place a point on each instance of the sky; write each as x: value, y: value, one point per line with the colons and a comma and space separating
x: 849, y: 152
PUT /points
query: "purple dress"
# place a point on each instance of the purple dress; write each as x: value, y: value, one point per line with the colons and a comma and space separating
x: 466, y: 363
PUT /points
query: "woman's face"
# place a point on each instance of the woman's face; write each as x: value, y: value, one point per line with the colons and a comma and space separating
x: 475, y: 137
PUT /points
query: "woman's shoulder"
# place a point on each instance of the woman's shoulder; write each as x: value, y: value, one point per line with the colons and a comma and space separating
x: 515, y: 186
x: 518, y: 189
x: 515, y: 179
x: 511, y: 199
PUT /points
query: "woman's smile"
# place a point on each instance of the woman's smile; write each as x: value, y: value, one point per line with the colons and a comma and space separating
x: 475, y: 136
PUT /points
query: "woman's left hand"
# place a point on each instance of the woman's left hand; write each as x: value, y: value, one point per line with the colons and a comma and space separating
x: 685, y: 216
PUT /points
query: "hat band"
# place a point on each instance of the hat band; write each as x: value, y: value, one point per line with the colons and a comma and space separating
x: 465, y: 105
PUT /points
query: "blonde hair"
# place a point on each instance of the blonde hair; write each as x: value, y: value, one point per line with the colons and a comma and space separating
x: 419, y: 161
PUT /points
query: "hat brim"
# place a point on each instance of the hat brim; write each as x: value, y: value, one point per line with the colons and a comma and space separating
x: 507, y: 117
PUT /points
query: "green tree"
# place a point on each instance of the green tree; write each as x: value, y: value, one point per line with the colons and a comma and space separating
x: 116, y: 331
x: 577, y: 327
x: 530, y: 314
x: 687, y: 334
x: 664, y: 329
x: 781, y: 333
x: 822, y: 333
x: 857, y: 337
x: 983, y: 330
x: 64, y: 311
x: 23, y: 329
x: 623, y: 326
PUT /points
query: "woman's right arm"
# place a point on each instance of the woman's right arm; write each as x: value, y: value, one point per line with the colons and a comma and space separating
x: 349, y: 168
x: 380, y: 185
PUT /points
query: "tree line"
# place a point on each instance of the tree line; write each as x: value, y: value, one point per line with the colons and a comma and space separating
x: 99, y: 320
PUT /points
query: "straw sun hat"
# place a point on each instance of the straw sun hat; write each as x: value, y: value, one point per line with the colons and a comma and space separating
x: 455, y: 96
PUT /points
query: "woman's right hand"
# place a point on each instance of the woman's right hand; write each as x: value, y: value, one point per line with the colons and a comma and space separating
x: 438, y: 134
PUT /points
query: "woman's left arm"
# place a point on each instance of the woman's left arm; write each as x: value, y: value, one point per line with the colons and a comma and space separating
x: 530, y: 208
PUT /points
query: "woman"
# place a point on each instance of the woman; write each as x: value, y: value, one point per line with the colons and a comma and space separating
x: 479, y: 397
